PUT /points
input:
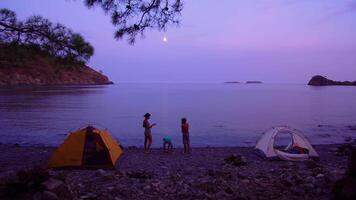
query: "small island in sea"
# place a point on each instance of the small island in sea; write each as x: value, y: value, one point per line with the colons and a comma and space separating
x: 319, y: 80
x: 253, y: 82
x: 232, y: 82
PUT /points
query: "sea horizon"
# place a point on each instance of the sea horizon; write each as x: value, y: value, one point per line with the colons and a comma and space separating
x: 220, y: 114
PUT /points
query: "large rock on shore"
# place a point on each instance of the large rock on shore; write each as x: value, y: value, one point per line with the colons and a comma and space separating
x: 323, y: 81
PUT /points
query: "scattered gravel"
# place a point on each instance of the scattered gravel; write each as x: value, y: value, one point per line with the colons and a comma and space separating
x: 208, y: 173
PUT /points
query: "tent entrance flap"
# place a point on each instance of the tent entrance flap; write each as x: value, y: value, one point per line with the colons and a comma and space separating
x: 95, y: 151
x: 298, y: 149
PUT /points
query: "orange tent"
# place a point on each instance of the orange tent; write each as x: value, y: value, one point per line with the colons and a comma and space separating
x: 89, y: 148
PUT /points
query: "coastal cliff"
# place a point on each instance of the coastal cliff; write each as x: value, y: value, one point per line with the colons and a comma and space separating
x: 42, y: 70
x: 323, y: 81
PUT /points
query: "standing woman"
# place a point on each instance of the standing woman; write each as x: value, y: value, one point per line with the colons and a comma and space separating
x: 185, y: 134
x: 148, y: 135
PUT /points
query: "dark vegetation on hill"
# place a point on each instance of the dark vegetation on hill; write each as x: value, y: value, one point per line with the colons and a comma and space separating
x: 323, y: 81
x: 39, y: 52
x: 37, y: 35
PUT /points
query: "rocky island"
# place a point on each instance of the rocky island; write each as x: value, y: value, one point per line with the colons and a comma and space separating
x: 323, y: 81
x: 253, y: 82
x: 232, y: 82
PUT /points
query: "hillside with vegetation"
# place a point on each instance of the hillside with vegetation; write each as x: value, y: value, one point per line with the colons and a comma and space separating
x: 39, y: 52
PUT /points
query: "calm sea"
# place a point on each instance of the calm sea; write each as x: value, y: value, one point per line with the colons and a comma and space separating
x: 219, y: 114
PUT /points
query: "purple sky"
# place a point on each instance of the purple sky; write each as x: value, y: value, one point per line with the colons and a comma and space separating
x: 273, y: 41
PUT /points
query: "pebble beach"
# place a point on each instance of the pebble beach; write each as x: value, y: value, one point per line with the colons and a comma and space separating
x: 207, y: 173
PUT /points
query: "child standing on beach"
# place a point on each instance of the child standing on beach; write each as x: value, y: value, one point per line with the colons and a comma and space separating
x: 148, y: 135
x: 185, y: 134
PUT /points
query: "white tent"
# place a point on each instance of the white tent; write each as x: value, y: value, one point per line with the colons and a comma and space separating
x: 266, y: 144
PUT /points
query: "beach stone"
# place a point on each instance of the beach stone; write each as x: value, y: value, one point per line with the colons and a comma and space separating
x: 147, y: 188
x: 207, y: 187
x: 298, y: 191
x: 48, y: 195
x: 311, y: 164
x: 221, y: 195
x: 101, y: 172
x: 88, y: 195
x: 246, y: 181
x: 37, y: 196
x: 52, y: 184
x: 334, y: 149
x: 309, y: 187
x: 310, y: 179
x: 140, y: 174
x: 287, y: 182
x: 344, y: 149
x: 320, y: 176
x: 241, y: 175
x: 155, y: 184
x: 110, y: 188
x: 229, y: 190
x: 235, y: 160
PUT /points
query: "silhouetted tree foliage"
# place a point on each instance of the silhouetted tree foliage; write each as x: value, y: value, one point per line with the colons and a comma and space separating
x: 45, y: 36
x: 133, y: 17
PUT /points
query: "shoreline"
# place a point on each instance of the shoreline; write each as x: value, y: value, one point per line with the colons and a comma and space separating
x: 16, y: 157
x: 176, y: 146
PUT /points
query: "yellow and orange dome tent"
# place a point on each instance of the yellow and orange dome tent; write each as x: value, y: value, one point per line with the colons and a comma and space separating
x: 87, y: 148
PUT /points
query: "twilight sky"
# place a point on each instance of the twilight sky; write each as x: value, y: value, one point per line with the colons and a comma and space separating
x: 275, y: 41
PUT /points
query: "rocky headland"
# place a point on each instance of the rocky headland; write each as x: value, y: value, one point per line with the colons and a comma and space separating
x: 44, y: 71
x: 38, y: 52
x: 323, y: 81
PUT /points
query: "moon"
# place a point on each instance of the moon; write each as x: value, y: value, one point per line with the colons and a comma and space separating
x: 165, y: 39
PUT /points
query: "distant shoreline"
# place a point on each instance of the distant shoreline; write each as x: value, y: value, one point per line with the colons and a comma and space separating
x: 247, y: 82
